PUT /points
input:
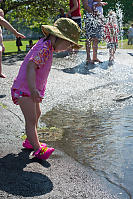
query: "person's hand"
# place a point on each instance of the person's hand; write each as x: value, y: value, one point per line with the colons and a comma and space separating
x: 35, y: 96
x: 3, y: 48
x: 19, y: 35
x: 103, y: 3
x: 68, y: 14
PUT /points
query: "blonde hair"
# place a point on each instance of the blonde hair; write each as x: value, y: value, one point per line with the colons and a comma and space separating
x: 1, y: 12
x: 112, y: 16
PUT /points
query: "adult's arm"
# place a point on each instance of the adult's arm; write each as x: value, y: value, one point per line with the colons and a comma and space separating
x: 101, y: 4
x: 8, y: 26
x: 86, y: 6
x: 75, y: 6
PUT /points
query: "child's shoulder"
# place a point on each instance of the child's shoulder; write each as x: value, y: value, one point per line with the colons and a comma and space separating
x: 42, y: 43
x: 47, y: 44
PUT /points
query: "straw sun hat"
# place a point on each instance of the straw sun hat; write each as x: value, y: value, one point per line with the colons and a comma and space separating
x: 64, y: 28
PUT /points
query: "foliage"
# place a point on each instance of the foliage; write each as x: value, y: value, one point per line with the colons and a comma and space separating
x: 125, y: 5
x: 34, y: 13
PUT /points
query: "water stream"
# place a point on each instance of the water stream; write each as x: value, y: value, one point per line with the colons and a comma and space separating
x: 91, y: 125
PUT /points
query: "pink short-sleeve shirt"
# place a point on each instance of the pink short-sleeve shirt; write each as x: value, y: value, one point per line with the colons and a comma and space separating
x: 41, y: 54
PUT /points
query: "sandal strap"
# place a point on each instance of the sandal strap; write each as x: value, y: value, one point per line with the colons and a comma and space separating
x: 38, y: 151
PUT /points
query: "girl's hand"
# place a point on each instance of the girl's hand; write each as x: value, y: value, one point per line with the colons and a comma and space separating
x: 35, y: 96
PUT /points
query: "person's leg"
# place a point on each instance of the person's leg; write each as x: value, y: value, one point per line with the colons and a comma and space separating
x: 29, y: 111
x: 19, y: 48
x: 26, y: 143
x: 95, y: 48
x: 132, y: 41
x: 129, y: 40
x: 114, y: 50
x: 113, y: 53
x: 38, y: 113
x: 88, y: 48
x: 88, y: 32
x: 1, y: 75
x: 110, y: 54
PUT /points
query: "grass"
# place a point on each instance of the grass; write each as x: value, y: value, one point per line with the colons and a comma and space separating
x: 122, y: 44
x: 10, y: 46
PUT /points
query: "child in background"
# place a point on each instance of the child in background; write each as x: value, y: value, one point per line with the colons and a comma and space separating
x: 28, y: 47
x: 18, y: 43
x: 29, y: 86
x: 31, y: 43
x: 9, y: 27
x: 111, y: 35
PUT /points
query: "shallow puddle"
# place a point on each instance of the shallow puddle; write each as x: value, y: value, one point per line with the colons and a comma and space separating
x: 102, y: 141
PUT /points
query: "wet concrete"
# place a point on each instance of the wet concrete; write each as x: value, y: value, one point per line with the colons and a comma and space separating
x: 59, y: 177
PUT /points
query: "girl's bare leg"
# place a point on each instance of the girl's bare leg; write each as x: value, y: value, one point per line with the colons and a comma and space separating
x: 38, y: 113
x: 29, y: 110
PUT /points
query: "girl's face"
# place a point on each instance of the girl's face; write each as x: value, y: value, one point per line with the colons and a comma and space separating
x: 62, y: 45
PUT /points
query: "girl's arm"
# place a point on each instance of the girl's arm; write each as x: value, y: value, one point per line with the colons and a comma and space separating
x: 9, y: 27
x: 86, y: 7
x: 31, y: 79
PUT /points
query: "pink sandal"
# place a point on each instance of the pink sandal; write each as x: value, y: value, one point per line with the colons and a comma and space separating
x: 26, y: 144
x: 43, y: 152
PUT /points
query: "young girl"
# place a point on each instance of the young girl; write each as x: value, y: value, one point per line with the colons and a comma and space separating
x: 111, y: 34
x: 29, y: 86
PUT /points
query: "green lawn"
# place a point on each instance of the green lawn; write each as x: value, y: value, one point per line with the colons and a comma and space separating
x: 10, y: 46
x: 122, y: 44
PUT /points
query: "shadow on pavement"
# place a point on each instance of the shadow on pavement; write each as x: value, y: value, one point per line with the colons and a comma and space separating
x: 2, y: 96
x: 11, y: 59
x: 81, y: 68
x: 17, y: 181
x: 130, y: 54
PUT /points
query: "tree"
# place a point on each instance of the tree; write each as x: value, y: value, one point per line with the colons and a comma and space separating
x: 125, y: 5
x: 35, y: 11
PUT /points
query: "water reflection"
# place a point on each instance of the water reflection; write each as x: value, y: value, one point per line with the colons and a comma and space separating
x: 100, y: 140
x: 84, y: 135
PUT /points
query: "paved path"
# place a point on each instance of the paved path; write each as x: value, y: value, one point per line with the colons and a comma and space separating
x: 22, y: 176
